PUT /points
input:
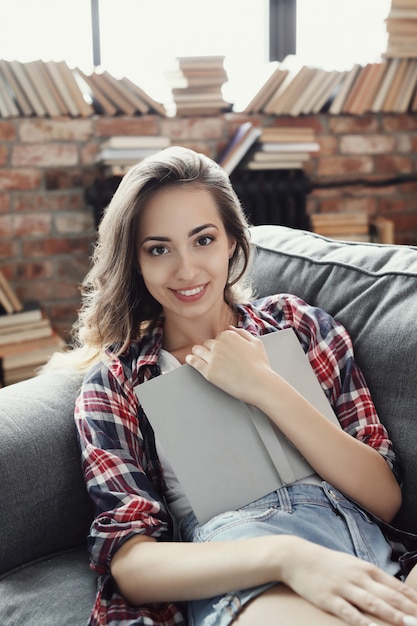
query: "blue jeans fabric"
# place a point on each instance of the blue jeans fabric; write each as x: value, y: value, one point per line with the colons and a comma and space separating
x: 318, y: 513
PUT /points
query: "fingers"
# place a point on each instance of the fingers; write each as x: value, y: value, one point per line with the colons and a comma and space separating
x: 376, y: 595
x: 206, y: 351
x: 357, y: 592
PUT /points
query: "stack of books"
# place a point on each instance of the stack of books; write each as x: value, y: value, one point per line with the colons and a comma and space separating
x: 294, y: 90
x: 113, y: 96
x: 119, y: 153
x: 196, y: 85
x: 283, y: 148
x: 353, y: 226
x: 401, y: 25
x: 27, y: 339
x: 52, y: 89
x: 385, y: 86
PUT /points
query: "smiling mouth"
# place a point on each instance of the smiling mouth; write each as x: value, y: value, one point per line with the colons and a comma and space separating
x: 190, y: 292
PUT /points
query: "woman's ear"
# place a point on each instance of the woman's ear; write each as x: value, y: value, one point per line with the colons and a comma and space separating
x: 232, y: 248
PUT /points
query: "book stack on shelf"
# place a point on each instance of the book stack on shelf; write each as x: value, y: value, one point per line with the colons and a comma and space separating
x: 353, y: 226
x: 119, y: 153
x: 52, y: 89
x: 296, y: 90
x: 27, y: 339
x: 196, y: 85
x: 385, y: 87
x: 283, y: 148
x: 113, y: 96
x: 401, y: 25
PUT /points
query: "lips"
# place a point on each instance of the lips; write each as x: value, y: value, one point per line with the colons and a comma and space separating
x: 193, y: 293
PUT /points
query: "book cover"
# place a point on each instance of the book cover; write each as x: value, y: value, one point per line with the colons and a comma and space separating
x: 268, y: 89
x: 389, y: 74
x: 113, y: 94
x: 302, y: 103
x: 120, y: 95
x: 290, y: 163
x: 97, y: 95
x: 224, y: 452
x: 117, y: 156
x: 244, y: 138
x: 8, y: 107
x: 405, y: 93
x: 17, y: 91
x: 154, y: 105
x: 62, y: 108
x: 293, y: 91
x: 55, y: 72
x: 10, y: 294
x: 395, y: 86
x: 287, y: 134
x: 360, y: 85
x: 20, y: 72
x: 22, y: 332
x: 41, y: 86
x: 349, y: 79
x: 290, y: 146
x: 30, y: 353
x: 82, y: 107
x: 158, y: 142
x: 28, y: 315
x: 375, y: 77
x: 327, y: 91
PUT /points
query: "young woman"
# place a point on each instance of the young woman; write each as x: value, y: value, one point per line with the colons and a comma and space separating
x: 165, y: 288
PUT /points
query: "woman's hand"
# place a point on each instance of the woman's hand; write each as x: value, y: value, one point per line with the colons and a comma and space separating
x: 354, y: 590
x: 235, y: 361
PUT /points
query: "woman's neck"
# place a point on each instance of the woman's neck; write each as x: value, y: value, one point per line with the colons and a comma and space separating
x: 181, y: 336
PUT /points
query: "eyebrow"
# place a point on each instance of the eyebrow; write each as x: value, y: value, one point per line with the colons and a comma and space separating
x: 192, y: 232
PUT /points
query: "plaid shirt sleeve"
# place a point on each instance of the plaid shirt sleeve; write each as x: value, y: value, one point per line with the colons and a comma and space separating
x: 126, y: 502
x: 112, y: 451
x: 330, y: 352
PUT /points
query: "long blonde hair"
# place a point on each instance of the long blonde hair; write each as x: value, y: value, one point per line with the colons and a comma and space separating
x: 116, y: 306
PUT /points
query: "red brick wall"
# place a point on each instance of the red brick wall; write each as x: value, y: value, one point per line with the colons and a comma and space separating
x: 47, y: 228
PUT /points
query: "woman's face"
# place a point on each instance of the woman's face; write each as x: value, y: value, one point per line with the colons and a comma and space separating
x: 184, y: 252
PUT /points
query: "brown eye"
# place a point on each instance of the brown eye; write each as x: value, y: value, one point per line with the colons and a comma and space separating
x: 205, y: 240
x: 158, y: 250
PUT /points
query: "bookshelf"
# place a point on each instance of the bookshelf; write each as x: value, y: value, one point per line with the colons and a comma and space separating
x: 27, y: 338
x: 52, y: 89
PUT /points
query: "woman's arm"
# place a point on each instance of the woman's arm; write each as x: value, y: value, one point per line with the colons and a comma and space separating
x: 147, y: 571
x: 237, y: 363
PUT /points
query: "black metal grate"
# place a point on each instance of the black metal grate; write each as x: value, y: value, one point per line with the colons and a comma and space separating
x: 273, y: 196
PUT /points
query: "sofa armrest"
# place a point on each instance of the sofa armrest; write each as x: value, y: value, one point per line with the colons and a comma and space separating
x: 44, y: 506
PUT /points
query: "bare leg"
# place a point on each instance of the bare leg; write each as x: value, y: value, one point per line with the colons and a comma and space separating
x: 412, y: 578
x: 280, y: 606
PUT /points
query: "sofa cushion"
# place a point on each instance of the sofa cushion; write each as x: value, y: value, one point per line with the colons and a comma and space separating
x: 44, y: 506
x: 58, y: 591
x: 372, y: 290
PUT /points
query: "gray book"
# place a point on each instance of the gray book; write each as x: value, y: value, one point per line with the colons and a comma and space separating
x: 224, y: 452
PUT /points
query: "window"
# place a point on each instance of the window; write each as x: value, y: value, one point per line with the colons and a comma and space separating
x: 140, y: 39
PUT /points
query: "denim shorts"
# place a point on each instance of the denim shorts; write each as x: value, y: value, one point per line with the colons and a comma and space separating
x: 318, y: 513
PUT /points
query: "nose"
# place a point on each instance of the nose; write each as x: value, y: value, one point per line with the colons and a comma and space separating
x: 186, y: 268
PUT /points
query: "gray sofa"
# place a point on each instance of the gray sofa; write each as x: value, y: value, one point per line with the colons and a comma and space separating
x: 44, y: 510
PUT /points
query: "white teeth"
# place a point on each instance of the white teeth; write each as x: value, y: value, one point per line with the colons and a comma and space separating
x: 191, y: 292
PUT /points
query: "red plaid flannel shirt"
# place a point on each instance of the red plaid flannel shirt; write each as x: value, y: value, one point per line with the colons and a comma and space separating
x: 120, y: 463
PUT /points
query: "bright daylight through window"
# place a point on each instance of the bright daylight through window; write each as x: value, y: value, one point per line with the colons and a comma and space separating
x: 141, y: 39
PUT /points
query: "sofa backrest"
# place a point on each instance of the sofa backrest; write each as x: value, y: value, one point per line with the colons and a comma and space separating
x: 372, y: 290
x: 44, y: 506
